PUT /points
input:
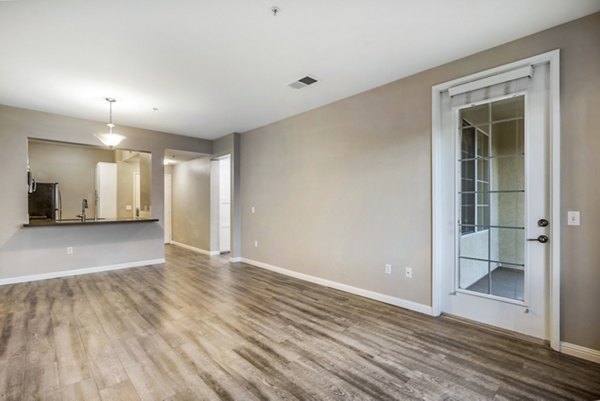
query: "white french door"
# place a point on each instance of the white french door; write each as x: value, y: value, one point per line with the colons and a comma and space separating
x: 499, y: 269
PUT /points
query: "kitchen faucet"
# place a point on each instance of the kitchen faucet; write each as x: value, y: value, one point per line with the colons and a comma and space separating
x: 84, y: 205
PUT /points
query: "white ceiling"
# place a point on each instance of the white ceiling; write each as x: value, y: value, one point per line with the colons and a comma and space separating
x: 216, y: 67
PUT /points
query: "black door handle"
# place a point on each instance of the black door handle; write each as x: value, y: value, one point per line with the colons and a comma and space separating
x: 542, y: 238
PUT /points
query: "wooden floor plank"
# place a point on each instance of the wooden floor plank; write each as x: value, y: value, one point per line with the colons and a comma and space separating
x: 83, y: 390
x: 41, y: 382
x: 123, y: 391
x: 145, y: 376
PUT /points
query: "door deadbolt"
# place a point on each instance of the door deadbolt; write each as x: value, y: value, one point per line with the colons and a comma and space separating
x: 543, y: 223
x: 542, y: 238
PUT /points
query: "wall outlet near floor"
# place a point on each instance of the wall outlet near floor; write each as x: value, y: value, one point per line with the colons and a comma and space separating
x: 69, y: 250
x: 253, y: 209
x: 255, y: 243
x: 388, y: 269
x: 128, y: 207
x: 408, y: 272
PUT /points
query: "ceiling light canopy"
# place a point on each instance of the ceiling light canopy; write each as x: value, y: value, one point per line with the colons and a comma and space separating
x: 110, y: 139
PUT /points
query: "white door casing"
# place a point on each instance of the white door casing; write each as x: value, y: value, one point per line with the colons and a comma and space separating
x: 542, y: 260
x: 225, y: 204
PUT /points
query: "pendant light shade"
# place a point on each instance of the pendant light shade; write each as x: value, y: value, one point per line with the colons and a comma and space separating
x: 110, y: 139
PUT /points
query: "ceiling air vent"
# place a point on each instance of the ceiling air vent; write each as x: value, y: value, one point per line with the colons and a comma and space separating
x: 303, y: 82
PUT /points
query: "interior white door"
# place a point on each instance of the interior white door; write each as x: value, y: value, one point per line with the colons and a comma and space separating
x: 499, y: 275
x: 225, y: 204
x: 168, y: 209
x: 106, y: 190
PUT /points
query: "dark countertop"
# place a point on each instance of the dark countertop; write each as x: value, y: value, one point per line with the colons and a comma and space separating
x: 90, y: 222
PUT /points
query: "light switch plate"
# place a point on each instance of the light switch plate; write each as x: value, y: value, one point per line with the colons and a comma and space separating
x: 573, y: 218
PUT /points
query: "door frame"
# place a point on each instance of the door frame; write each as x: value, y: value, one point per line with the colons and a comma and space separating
x: 215, y: 220
x: 442, y: 204
x: 220, y: 159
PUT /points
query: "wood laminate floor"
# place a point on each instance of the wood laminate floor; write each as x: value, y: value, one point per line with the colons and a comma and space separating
x: 198, y: 328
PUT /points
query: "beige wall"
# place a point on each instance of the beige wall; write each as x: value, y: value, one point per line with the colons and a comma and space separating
x: 27, y: 251
x: 191, y: 203
x: 73, y: 167
x: 341, y: 190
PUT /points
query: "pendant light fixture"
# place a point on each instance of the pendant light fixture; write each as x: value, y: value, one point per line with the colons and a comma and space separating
x: 110, y: 139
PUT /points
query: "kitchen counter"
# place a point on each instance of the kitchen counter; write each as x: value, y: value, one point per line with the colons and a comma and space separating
x: 89, y: 222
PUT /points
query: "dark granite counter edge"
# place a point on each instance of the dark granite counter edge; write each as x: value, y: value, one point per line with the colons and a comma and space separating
x: 87, y: 223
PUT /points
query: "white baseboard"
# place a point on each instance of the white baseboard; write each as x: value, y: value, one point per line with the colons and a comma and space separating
x: 235, y: 260
x: 580, y: 352
x: 194, y: 249
x: 388, y: 299
x: 77, y: 272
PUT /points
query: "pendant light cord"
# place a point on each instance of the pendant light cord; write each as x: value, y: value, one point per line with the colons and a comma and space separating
x: 110, y: 103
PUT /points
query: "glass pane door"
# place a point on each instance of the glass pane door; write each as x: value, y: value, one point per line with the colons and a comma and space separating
x: 491, y: 194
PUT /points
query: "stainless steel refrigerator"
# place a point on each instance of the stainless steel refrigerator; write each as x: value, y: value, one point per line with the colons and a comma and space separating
x: 45, y: 202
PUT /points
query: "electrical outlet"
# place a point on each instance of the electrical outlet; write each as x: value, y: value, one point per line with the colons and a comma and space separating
x: 255, y: 243
x: 388, y: 269
x: 408, y: 272
x: 69, y: 250
x: 128, y: 207
x: 253, y: 210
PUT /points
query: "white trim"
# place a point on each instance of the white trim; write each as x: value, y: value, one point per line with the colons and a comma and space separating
x: 388, y: 299
x: 235, y: 260
x: 555, y: 230
x: 518, y: 73
x: 437, y: 254
x: 492, y: 297
x: 77, y: 272
x: 437, y: 238
x: 539, y: 59
x: 194, y: 249
x: 580, y: 352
